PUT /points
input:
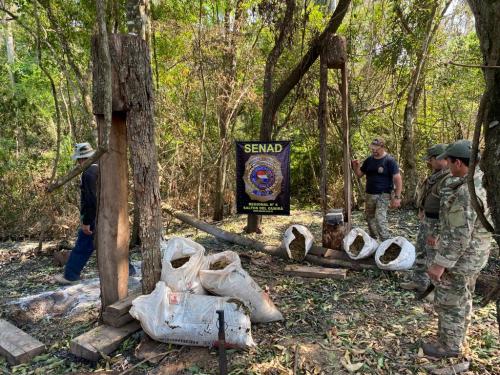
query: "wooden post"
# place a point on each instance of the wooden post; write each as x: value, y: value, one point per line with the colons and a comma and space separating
x: 112, y: 218
x: 323, y: 131
x: 347, y: 149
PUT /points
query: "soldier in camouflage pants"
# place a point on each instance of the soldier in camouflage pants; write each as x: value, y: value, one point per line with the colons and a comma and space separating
x: 428, y: 198
x: 462, y: 252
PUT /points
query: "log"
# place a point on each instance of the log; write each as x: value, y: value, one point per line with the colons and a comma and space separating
x: 102, y: 339
x: 316, y: 272
x: 16, y: 345
x: 277, y: 251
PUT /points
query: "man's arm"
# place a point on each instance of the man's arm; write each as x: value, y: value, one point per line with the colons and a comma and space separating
x: 356, y: 166
x: 398, y: 187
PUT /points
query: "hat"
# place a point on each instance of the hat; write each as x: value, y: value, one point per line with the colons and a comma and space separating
x: 435, y: 150
x: 378, y: 142
x: 82, y: 151
x: 459, y: 149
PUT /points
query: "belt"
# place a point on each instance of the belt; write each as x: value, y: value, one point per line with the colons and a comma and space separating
x: 431, y: 215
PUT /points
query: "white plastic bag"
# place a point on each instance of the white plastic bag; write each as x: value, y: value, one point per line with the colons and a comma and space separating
x: 183, y: 278
x: 226, y: 277
x: 190, y: 319
x: 296, y: 251
x: 369, y: 247
x: 403, y: 261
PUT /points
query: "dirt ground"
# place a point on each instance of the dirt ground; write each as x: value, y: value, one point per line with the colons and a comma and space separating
x: 364, y: 324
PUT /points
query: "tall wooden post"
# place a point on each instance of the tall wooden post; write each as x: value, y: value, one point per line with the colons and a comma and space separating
x: 112, y: 218
x: 323, y: 131
x: 347, y: 150
x: 336, y: 222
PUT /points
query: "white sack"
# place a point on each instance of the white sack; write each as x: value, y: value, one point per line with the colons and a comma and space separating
x: 288, y: 237
x: 234, y: 281
x: 184, y: 278
x: 368, y: 249
x: 405, y: 259
x: 191, y: 319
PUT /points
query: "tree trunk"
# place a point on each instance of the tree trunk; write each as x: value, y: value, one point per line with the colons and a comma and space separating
x: 137, y: 79
x: 9, y: 49
x: 323, y: 132
x: 487, y: 16
x: 408, y: 142
x: 226, y: 110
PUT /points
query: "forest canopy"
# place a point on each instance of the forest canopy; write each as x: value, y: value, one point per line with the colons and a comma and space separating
x: 209, y: 61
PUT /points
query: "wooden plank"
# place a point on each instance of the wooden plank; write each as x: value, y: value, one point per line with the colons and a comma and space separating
x: 122, y: 306
x: 316, y: 272
x: 116, y: 320
x: 16, y: 345
x: 102, y: 339
x: 112, y: 218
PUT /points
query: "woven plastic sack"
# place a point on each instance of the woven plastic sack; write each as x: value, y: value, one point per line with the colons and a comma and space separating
x: 297, y: 241
x: 191, y: 319
x: 225, y: 276
x: 352, y: 243
x: 400, y: 254
x: 182, y: 260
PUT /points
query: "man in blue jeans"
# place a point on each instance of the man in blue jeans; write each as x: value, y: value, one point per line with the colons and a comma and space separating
x: 84, y: 245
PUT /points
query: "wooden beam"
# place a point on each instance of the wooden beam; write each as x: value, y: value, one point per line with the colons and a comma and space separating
x: 316, y: 272
x: 102, y: 339
x: 112, y: 218
x: 122, y: 306
x: 16, y: 345
x: 346, y: 146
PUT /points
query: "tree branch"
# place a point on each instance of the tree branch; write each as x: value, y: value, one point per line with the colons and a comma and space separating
x: 473, y: 65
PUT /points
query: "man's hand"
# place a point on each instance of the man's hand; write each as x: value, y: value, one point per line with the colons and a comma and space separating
x: 355, y: 164
x: 432, y: 241
x: 395, y: 203
x: 86, y: 229
x: 435, y: 272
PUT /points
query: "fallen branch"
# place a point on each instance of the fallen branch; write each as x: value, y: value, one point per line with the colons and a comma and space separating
x: 473, y: 65
x: 333, y: 258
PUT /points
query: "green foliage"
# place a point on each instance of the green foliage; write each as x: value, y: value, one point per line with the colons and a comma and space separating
x: 383, y: 37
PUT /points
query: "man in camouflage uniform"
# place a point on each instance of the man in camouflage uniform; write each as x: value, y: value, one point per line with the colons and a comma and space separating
x: 462, y: 252
x: 382, y: 179
x: 428, y: 206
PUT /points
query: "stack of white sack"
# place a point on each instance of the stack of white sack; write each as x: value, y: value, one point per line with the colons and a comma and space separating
x: 225, y: 277
x: 190, y: 319
x: 358, y: 244
x: 395, y: 254
x: 182, y: 260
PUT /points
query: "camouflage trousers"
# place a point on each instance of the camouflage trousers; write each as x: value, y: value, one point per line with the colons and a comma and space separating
x: 376, y: 206
x: 453, y: 304
x: 424, y: 253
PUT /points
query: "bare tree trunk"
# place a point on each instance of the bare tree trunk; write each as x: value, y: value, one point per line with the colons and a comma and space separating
x: 408, y: 142
x: 9, y: 49
x: 323, y: 132
x: 138, y: 20
x: 226, y: 112
x: 138, y: 84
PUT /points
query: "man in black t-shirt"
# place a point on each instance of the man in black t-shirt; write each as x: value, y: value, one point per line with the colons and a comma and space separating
x: 382, y: 178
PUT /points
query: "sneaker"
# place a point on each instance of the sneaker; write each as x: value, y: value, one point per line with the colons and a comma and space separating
x: 439, y: 350
x: 60, y: 279
x: 412, y: 285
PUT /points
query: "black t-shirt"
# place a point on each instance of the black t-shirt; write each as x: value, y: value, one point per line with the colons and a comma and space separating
x: 88, y: 195
x: 379, y: 174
